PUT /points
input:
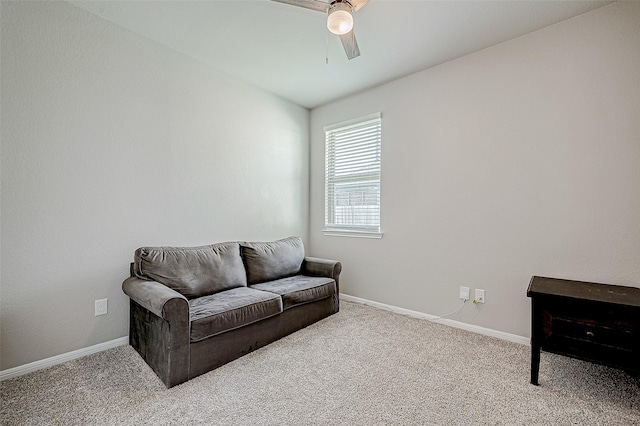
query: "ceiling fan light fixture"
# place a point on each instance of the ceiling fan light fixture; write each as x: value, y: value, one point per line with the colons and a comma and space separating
x: 340, y: 20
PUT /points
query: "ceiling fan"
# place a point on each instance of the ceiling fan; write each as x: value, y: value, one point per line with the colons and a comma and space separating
x: 339, y: 19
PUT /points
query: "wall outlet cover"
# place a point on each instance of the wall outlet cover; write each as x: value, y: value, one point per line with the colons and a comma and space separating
x: 464, y: 293
x: 101, y: 307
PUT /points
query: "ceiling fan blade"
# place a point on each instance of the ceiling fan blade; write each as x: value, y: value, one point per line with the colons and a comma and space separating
x: 350, y: 45
x: 318, y: 5
x: 357, y: 4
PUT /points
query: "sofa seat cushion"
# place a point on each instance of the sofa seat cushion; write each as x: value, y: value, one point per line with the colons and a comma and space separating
x: 273, y: 260
x: 193, y: 271
x: 299, y: 289
x: 230, y: 309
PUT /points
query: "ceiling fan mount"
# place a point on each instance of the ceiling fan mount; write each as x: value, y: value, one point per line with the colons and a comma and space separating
x: 339, y: 19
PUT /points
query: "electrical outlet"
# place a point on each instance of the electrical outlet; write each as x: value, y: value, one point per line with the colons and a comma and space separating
x: 101, y: 307
x: 464, y: 293
x: 479, y: 295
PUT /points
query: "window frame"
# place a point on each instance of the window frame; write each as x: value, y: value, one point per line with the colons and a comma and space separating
x: 330, y: 202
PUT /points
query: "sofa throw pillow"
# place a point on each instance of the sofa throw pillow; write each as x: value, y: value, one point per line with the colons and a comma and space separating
x: 193, y: 271
x: 273, y: 260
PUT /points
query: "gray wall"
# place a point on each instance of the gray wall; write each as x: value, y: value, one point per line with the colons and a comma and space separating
x: 522, y: 159
x: 111, y: 142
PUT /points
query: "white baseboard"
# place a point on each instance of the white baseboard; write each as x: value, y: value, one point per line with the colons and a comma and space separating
x: 446, y: 321
x: 59, y: 359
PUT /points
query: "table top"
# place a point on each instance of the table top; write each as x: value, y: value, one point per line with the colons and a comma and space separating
x: 616, y: 294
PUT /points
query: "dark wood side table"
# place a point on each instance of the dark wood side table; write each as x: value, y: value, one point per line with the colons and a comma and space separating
x: 593, y: 322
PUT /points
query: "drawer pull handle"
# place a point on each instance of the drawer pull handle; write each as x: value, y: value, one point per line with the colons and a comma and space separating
x: 590, y: 334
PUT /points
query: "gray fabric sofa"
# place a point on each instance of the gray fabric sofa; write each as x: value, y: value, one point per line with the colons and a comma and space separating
x: 194, y: 309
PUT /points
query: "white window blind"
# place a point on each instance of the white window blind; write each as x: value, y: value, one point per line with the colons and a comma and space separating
x: 352, y: 187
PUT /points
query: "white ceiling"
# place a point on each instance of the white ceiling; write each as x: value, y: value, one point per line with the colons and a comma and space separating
x: 282, y: 48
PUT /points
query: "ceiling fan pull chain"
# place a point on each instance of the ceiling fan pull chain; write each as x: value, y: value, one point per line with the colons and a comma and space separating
x: 326, y: 54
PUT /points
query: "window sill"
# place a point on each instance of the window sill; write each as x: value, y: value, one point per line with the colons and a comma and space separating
x: 351, y: 233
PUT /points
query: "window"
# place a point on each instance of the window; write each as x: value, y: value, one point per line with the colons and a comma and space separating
x: 352, y: 186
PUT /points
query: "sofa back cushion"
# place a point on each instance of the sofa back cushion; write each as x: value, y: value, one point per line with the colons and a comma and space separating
x: 274, y: 260
x: 193, y: 271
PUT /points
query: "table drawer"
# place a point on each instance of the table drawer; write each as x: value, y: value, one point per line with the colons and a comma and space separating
x: 621, y: 336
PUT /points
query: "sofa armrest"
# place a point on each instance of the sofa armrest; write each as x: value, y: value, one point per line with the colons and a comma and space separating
x: 322, y: 268
x: 159, y: 328
x: 163, y: 301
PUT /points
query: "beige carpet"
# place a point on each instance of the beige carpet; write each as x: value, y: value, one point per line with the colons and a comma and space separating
x: 362, y: 366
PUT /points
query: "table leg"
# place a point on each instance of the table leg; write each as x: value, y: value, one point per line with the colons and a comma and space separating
x: 535, y: 362
x: 536, y: 336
